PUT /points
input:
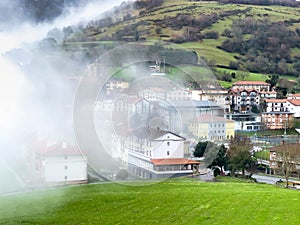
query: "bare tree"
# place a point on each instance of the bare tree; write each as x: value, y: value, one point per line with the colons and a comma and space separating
x: 287, y: 158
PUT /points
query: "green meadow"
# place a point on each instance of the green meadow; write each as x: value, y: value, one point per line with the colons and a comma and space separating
x: 182, y: 201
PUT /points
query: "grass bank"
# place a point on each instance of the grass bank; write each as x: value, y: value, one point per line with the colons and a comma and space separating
x: 170, y: 202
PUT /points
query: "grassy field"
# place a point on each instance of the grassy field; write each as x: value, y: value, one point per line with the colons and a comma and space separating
x: 169, y: 202
x: 265, y: 154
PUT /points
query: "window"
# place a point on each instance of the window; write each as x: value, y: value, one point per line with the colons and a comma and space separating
x: 66, y: 167
x: 168, y: 143
x: 168, y: 152
x: 66, y: 157
x: 66, y: 177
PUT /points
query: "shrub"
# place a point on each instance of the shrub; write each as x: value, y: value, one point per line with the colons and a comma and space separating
x: 122, y: 174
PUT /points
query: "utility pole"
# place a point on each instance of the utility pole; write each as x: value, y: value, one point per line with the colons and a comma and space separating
x: 284, y: 134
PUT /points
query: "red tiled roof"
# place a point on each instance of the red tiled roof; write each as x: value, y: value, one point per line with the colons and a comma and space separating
x: 296, y: 95
x: 276, y: 100
x: 234, y: 89
x: 173, y: 161
x: 295, y: 102
x: 243, y: 82
x: 59, y: 150
x: 209, y: 118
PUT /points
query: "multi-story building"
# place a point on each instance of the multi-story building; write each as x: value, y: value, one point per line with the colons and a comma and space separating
x: 276, y: 105
x: 152, y: 153
x: 280, y: 113
x: 179, y: 94
x: 245, y: 95
x: 246, y: 121
x: 220, y: 97
x: 114, y: 84
x: 244, y: 100
x: 293, y: 105
x: 252, y: 85
x: 212, y: 128
x: 278, y: 120
x: 57, y: 163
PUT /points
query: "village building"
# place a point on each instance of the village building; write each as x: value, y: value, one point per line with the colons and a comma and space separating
x: 293, y: 106
x: 293, y: 96
x: 246, y: 96
x: 276, y: 105
x: 244, y: 122
x: 281, y: 113
x: 212, y: 128
x: 292, y: 153
x: 278, y: 120
x: 218, y: 96
x: 152, y: 153
x: 252, y: 85
x: 115, y: 84
x: 56, y: 164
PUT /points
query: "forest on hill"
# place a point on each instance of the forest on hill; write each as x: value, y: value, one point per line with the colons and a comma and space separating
x: 261, y: 38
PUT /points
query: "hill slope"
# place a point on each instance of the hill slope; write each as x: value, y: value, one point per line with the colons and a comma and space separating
x: 261, y: 39
x: 170, y: 202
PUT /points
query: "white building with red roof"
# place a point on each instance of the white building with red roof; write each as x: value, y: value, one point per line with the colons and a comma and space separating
x: 276, y: 105
x: 250, y: 85
x: 293, y: 106
x: 152, y: 153
x: 293, y: 96
x: 58, y: 163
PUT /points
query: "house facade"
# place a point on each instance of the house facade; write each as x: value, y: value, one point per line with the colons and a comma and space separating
x: 153, y: 153
x: 278, y: 120
x: 246, y: 121
x: 220, y: 97
x: 246, y: 96
x: 212, y: 128
x: 293, y: 105
x: 252, y: 85
x: 114, y: 84
x: 276, y: 105
x: 58, y: 163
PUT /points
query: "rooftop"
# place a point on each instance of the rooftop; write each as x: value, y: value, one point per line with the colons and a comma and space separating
x: 60, y: 149
x: 276, y: 100
x: 209, y: 118
x: 295, y: 102
x: 193, y: 104
x: 243, y: 82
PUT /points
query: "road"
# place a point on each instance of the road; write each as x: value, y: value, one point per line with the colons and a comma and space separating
x: 268, y: 179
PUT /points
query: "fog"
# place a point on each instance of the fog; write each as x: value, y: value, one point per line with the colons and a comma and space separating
x: 35, y: 96
x: 49, y: 97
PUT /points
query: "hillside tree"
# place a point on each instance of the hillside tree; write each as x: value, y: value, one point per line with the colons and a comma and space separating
x: 239, y: 156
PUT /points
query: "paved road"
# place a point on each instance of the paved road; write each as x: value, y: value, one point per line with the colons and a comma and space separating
x: 268, y: 179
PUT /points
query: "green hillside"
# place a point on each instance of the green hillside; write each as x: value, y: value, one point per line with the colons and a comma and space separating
x: 261, y: 39
x: 169, y: 202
